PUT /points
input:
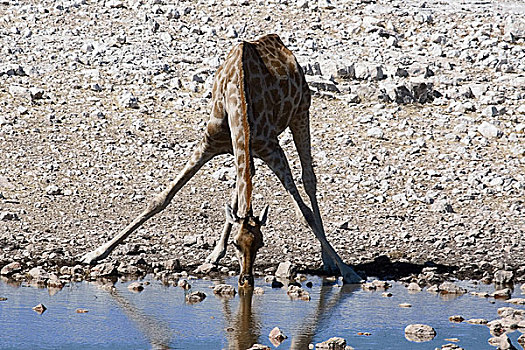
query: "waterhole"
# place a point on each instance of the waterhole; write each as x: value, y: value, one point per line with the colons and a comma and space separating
x: 88, y: 315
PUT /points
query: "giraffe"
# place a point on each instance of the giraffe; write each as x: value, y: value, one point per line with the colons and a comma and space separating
x: 258, y: 92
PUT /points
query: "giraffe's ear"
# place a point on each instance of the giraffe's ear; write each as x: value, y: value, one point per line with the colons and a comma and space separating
x: 264, y: 215
x: 231, y: 217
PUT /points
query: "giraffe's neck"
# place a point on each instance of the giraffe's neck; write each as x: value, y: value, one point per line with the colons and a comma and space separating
x: 242, y: 141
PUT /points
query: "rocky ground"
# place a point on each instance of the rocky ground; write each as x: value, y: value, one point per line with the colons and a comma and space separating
x: 418, y: 125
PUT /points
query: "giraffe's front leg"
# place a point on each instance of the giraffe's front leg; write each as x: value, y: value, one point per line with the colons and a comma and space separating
x: 220, y: 248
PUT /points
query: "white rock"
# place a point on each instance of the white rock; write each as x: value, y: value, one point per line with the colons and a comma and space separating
x: 489, y: 130
x: 375, y: 132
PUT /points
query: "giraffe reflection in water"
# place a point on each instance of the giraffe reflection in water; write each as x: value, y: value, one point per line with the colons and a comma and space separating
x: 243, y: 326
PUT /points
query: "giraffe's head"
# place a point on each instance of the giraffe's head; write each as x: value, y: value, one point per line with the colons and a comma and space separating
x: 247, y: 240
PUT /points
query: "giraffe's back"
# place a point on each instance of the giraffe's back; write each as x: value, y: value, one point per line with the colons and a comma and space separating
x: 274, y: 91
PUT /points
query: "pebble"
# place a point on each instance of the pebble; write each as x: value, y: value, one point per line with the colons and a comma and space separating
x: 184, y: 284
x: 503, y: 277
x: 419, y: 332
x: 11, y: 268
x: 456, y: 318
x: 277, y: 336
x: 414, y: 287
x: 504, y: 293
x: 296, y: 292
x: 195, y: 297
x: 334, y: 343
x: 224, y: 290
x: 40, y: 308
x: 489, y: 130
x: 451, y: 288
x: 136, y: 286
x: 477, y: 321
x: 375, y: 132
x: 286, y: 270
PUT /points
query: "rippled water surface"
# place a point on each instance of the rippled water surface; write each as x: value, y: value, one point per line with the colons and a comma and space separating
x: 158, y: 317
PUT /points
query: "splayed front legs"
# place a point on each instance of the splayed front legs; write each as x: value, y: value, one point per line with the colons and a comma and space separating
x: 200, y: 156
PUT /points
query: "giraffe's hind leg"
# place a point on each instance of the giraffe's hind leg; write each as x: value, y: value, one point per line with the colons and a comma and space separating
x: 300, y: 128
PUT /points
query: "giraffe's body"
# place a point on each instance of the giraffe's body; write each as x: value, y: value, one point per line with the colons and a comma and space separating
x: 258, y: 92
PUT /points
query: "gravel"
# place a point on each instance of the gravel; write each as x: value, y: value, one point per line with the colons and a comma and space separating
x: 417, y: 133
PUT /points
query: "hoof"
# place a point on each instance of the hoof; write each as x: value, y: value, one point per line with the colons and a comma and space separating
x: 350, y: 276
x: 90, y: 258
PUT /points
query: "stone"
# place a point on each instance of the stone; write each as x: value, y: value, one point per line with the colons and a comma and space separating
x: 504, y: 293
x: 285, y: 270
x: 277, y: 336
x: 514, y: 28
x: 517, y: 301
x: 54, y: 282
x: 490, y: 111
x: 323, y: 85
x: 361, y: 71
x: 419, y: 332
x: 172, y: 265
x: 396, y: 93
x: 442, y: 206
x: 136, y: 286
x: 36, y: 93
x: 477, y: 321
x: 503, y: 277
x: 11, y: 268
x: 489, y: 131
x: 450, y: 346
x: 521, y: 340
x: 381, y: 284
x: 405, y: 305
x: 456, y: 318
x: 414, y: 287
x: 195, y: 297
x: 335, y: 343
x: 205, y: 268
x: 115, y: 4
x: 258, y: 291
x: 17, y: 91
x: 502, y: 342
x: 259, y: 347
x: 40, y: 308
x: 375, y: 132
x: 224, y: 290
x: 422, y: 92
x: 451, y: 288
x: 103, y: 270
x: 184, y: 284
x: 38, y: 273
x: 296, y: 292
x: 81, y: 311
x: 128, y: 100
x: 53, y: 190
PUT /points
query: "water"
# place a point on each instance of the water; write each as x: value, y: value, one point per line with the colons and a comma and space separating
x: 158, y: 317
